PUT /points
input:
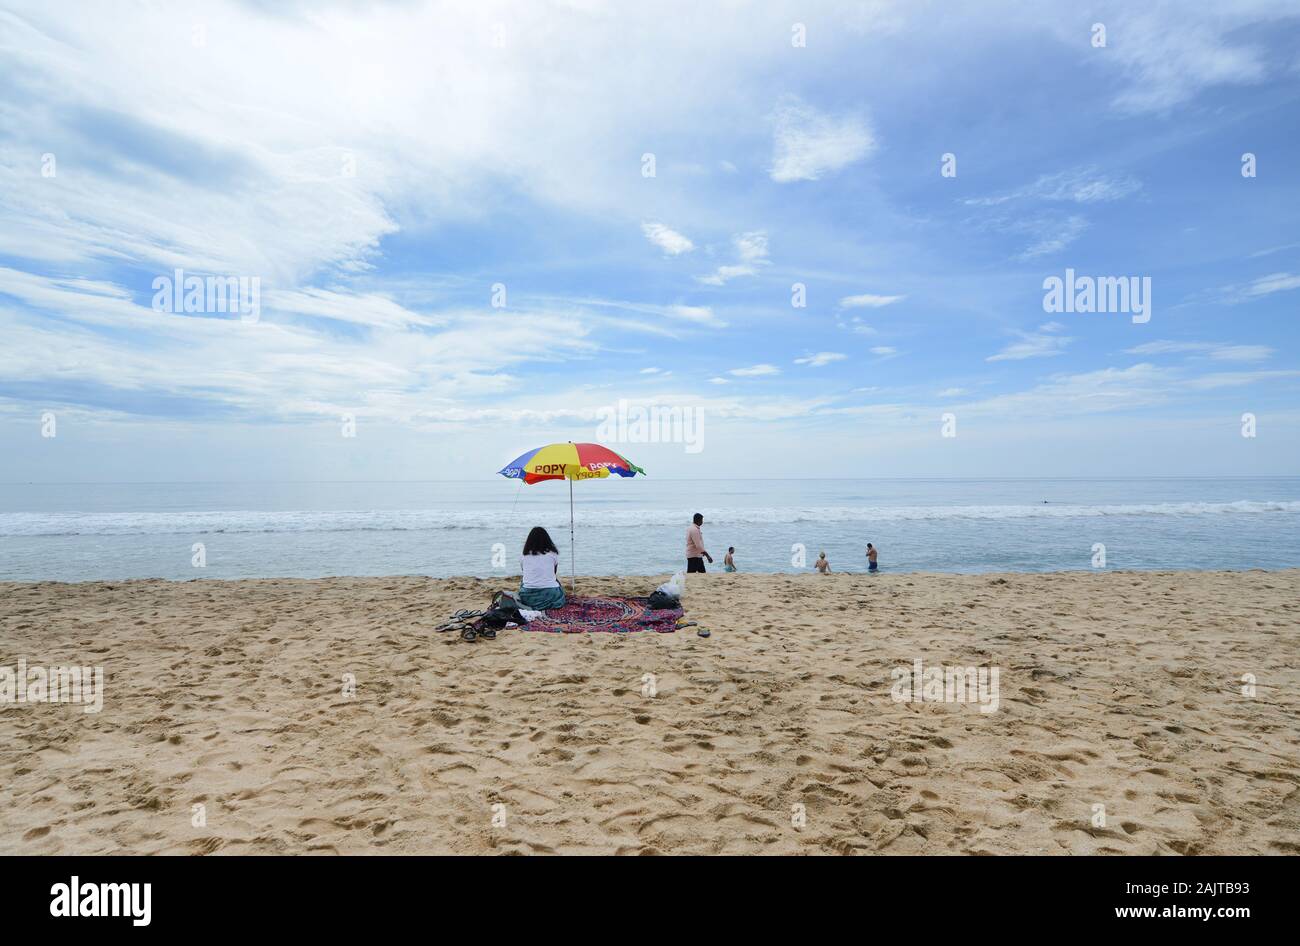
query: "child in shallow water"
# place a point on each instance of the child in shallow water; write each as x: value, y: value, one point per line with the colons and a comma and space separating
x: 823, y: 564
x: 729, y: 563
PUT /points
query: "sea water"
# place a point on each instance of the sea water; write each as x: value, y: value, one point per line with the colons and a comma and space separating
x: 80, y: 532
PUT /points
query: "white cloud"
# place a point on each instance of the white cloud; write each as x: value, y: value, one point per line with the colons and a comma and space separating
x: 1235, y: 379
x: 723, y: 274
x: 952, y: 392
x: 1242, y: 353
x: 668, y: 240
x: 1050, y: 230
x: 1247, y: 292
x: 820, y: 359
x: 1170, y: 62
x: 884, y: 350
x: 1216, y: 350
x: 1084, y: 393
x: 752, y: 246
x: 1032, y: 345
x: 869, y: 301
x: 1277, y: 282
x: 1085, y: 185
x: 579, y: 406
x: 809, y: 143
x: 1110, y: 389
x: 756, y: 371
x: 285, y: 147
x: 1273, y: 249
x: 751, y: 249
x: 1166, y: 348
x: 239, y: 163
x: 278, y: 367
x: 700, y: 314
x: 856, y: 325
x: 373, y: 309
x: 1051, y: 234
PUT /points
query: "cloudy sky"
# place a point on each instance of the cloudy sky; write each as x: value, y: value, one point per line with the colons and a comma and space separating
x: 643, y: 185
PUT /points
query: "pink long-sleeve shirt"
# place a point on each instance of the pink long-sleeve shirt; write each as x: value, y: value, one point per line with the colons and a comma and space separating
x: 694, y: 542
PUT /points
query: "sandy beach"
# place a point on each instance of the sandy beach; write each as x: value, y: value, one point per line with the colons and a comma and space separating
x: 778, y: 734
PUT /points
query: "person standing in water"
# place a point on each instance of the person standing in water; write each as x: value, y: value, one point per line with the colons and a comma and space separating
x: 695, y: 551
x: 728, y: 562
x: 823, y: 564
x: 871, y: 558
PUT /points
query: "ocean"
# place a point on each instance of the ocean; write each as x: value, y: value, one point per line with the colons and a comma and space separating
x: 81, y: 532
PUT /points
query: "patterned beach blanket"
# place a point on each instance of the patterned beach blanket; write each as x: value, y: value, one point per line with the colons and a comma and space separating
x: 600, y: 613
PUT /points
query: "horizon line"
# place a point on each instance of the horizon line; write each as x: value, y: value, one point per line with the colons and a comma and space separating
x: 674, y: 479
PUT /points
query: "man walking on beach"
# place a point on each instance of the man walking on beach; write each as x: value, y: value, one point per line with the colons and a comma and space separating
x: 695, y: 553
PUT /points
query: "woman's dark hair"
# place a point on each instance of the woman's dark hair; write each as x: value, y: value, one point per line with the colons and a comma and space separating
x: 539, y: 542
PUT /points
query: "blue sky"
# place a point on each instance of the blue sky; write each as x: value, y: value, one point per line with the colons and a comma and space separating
x: 379, y: 169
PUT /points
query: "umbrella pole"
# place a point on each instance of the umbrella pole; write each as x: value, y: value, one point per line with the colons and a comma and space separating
x: 573, y: 580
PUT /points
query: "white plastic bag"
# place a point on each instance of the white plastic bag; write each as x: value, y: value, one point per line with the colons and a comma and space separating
x: 531, y: 615
x: 674, y: 587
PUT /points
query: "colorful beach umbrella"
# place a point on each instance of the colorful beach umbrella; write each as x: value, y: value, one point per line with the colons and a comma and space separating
x: 569, y: 461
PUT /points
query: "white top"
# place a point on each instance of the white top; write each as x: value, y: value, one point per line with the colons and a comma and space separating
x: 539, y: 570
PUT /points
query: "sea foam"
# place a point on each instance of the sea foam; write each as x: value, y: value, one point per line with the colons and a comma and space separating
x: 302, y: 521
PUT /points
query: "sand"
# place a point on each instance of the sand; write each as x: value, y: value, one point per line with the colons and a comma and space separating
x: 778, y: 734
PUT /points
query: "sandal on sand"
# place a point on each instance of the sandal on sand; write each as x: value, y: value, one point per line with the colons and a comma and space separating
x: 703, y: 632
x: 459, y: 620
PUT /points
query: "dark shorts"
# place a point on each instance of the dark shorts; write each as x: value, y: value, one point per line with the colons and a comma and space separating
x: 872, y: 567
x: 694, y: 565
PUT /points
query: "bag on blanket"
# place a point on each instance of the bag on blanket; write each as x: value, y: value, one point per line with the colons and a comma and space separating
x: 661, y: 602
x: 504, y: 610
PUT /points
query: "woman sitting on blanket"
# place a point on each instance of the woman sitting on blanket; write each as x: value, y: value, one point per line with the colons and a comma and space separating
x: 540, y: 564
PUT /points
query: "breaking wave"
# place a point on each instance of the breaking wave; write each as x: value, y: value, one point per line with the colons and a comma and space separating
x: 429, y: 520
